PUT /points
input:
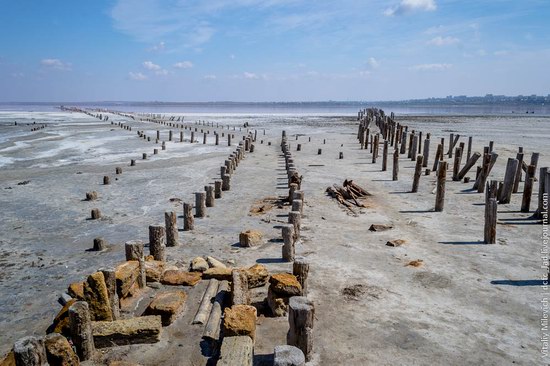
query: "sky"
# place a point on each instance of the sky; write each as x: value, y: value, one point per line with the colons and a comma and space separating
x: 271, y: 50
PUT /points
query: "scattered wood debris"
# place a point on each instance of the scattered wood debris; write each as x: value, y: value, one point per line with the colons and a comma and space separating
x: 380, y: 227
x: 266, y: 204
x: 348, y: 194
x: 396, y: 243
x: 415, y: 263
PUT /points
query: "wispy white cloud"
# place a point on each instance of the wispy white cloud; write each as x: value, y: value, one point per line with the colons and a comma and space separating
x: 408, y: 6
x: 137, y: 76
x: 158, y: 47
x: 162, y: 72
x: 55, y: 63
x: 430, y: 67
x: 183, y: 65
x: 210, y: 77
x: 443, y: 41
x: 250, y: 75
x: 373, y: 63
x: 149, y: 65
x: 181, y: 22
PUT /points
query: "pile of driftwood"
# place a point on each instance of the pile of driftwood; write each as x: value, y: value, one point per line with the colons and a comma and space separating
x: 348, y: 194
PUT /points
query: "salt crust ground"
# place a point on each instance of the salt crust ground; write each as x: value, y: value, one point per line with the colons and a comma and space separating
x: 468, y: 303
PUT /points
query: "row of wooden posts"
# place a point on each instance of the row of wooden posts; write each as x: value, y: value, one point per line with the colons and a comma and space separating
x: 301, y: 309
x: 397, y: 136
x: 29, y: 351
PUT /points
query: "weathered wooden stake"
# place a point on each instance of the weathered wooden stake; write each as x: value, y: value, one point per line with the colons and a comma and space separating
x: 300, y: 269
x: 440, y: 191
x: 395, y: 170
x: 100, y: 244
x: 29, y: 351
x: 226, y: 182
x: 469, y: 164
x: 301, y: 314
x: 509, y: 178
x: 517, y: 177
x: 217, y: 189
x: 209, y: 190
x: 490, y: 228
x: 385, y: 156
x: 133, y: 250
x: 426, y: 153
x: 80, y: 325
x: 172, y: 236
x: 188, y: 220
x: 200, y: 204
x: 528, y: 188
x: 157, y: 238
x: 287, y: 232
x: 417, y: 173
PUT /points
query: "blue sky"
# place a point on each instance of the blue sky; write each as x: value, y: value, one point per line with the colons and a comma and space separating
x: 271, y: 50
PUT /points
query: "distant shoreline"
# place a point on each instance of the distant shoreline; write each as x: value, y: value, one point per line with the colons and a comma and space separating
x: 330, y: 107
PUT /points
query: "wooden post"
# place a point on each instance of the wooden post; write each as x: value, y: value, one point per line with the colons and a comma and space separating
x: 385, y: 156
x: 110, y: 282
x: 228, y: 139
x: 488, y: 163
x: 426, y: 153
x: 80, y: 325
x: 295, y: 218
x: 301, y: 313
x: 133, y: 250
x: 456, y: 165
x: 29, y: 351
x: 417, y: 173
x: 469, y: 164
x: 132, y: 162
x: 181, y: 136
x: 438, y: 156
x: 95, y: 214
x: 144, y: 156
x: 440, y: 191
x: 528, y: 188
x: 226, y: 182
x: 209, y: 195
x: 200, y: 204
x: 375, y: 148
x: 100, y: 244
x: 542, y: 191
x: 490, y: 228
x: 188, y: 220
x: 106, y: 180
x: 300, y: 269
x: 517, y: 177
x: 298, y: 205
x: 172, y: 236
x: 170, y: 135
x: 395, y: 170
x: 469, y: 148
x: 287, y: 232
x: 414, y: 148
x: 509, y: 178
x: 157, y: 238
x: 217, y: 189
